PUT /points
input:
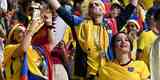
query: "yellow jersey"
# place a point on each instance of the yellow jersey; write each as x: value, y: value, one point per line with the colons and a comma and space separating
x: 145, y: 42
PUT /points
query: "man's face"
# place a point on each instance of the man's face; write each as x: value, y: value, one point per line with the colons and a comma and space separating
x: 95, y: 9
x: 115, y: 12
x: 47, y: 17
x: 132, y: 27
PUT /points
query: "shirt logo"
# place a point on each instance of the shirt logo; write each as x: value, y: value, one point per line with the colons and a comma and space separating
x: 130, y: 69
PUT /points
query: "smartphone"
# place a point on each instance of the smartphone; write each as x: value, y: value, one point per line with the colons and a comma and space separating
x: 36, y: 14
x: 36, y: 10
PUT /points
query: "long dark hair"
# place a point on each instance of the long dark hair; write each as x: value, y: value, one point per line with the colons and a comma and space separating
x: 113, y: 40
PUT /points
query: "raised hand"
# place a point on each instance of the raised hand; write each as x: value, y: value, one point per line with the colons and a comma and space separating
x: 134, y: 2
x: 55, y: 4
x: 34, y: 26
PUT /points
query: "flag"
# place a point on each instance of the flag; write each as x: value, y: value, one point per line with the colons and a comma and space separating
x: 24, y: 69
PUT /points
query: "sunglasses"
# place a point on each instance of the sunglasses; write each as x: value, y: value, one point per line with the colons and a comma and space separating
x: 94, y: 4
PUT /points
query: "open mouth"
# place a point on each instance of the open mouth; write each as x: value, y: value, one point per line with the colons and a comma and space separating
x: 123, y: 46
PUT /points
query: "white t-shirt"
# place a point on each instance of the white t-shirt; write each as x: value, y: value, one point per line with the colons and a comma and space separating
x: 59, y: 30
